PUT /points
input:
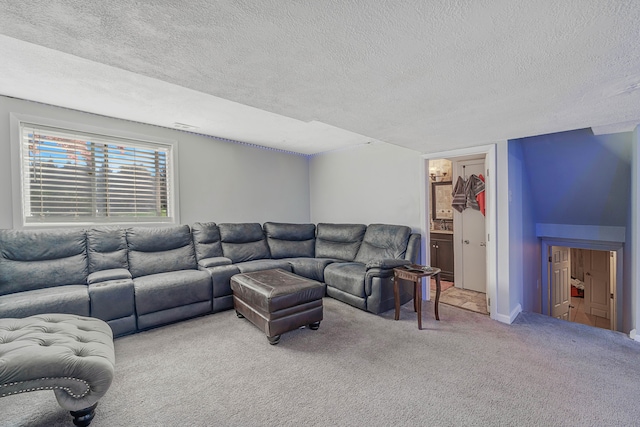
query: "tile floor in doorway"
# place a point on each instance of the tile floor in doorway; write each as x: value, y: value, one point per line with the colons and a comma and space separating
x: 469, y: 300
x: 578, y: 315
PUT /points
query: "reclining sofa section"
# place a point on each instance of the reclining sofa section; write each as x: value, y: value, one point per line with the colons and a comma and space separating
x: 141, y: 277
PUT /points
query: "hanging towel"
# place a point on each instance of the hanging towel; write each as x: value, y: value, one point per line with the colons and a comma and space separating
x: 472, y: 188
x: 459, y: 201
x: 480, y: 196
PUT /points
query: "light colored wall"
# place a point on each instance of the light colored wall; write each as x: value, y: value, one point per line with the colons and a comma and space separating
x: 218, y: 181
x: 632, y: 257
x: 373, y: 183
x: 525, y: 248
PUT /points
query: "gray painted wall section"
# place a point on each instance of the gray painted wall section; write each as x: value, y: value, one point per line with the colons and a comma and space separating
x: 525, y: 248
x: 579, y: 178
x: 219, y: 181
x: 373, y: 183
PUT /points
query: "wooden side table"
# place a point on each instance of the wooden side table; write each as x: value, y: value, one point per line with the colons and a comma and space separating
x: 414, y: 273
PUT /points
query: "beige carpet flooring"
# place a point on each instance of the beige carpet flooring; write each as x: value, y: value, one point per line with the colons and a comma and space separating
x: 361, y: 369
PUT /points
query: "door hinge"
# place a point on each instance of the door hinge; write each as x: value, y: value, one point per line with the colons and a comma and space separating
x: 488, y: 237
x: 549, y: 259
x: 489, y: 302
x: 612, y: 295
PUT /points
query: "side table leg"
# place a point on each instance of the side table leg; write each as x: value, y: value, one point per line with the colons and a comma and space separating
x: 437, y: 295
x: 418, y: 298
x: 396, y: 296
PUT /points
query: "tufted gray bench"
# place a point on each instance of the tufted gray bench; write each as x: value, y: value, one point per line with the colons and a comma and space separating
x: 71, y: 355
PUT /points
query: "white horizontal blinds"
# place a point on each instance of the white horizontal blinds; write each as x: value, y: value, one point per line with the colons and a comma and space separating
x: 71, y: 176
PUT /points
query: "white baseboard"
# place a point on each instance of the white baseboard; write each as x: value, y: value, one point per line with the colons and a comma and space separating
x: 509, y: 319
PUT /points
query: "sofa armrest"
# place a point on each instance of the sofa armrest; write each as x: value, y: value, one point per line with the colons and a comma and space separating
x: 214, y: 262
x: 386, y: 263
x: 106, y: 275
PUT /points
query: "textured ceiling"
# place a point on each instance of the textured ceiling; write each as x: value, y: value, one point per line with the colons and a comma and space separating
x: 310, y: 76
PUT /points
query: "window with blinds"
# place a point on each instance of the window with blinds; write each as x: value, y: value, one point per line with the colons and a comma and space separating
x: 73, y: 177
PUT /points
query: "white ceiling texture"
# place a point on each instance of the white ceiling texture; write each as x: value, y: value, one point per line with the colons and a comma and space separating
x: 310, y: 76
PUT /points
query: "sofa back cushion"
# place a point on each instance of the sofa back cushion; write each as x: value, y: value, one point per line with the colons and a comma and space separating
x: 206, y: 238
x: 41, y: 259
x: 160, y: 250
x: 290, y: 240
x: 243, y: 242
x: 107, y: 248
x: 383, y: 241
x: 340, y: 241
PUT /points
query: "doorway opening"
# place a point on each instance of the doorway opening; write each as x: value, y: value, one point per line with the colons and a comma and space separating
x: 458, y: 230
x: 583, y: 285
x: 601, y: 253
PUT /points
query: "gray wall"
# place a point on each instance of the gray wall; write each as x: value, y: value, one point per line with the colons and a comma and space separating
x: 579, y: 178
x: 373, y: 183
x: 218, y: 181
x: 524, y: 256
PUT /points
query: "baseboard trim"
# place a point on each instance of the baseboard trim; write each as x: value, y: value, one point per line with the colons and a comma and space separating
x: 509, y: 319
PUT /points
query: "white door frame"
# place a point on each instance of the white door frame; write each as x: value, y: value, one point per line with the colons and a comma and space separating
x: 491, y: 196
x: 547, y: 242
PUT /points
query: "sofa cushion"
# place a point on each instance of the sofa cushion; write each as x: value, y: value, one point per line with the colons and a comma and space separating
x: 340, y: 241
x: 71, y: 299
x: 160, y: 250
x: 262, y: 264
x: 290, y: 240
x: 41, y: 259
x: 243, y: 242
x: 162, y: 291
x: 106, y: 248
x: 347, y: 277
x: 311, y: 268
x: 206, y: 238
x: 383, y: 241
x: 107, y: 275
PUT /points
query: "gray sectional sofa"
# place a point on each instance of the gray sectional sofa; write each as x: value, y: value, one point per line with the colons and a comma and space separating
x: 142, y: 277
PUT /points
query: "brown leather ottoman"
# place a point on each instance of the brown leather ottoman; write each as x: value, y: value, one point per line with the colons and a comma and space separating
x: 277, y: 301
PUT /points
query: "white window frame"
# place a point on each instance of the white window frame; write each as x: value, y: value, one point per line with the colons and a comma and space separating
x: 17, y: 165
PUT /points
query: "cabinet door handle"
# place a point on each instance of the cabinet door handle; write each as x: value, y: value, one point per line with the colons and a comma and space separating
x: 466, y: 242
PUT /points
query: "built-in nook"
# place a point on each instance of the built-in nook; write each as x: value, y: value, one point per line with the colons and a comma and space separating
x: 581, y: 277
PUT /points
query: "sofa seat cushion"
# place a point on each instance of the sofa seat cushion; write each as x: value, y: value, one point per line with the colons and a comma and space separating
x: 262, y: 264
x: 172, y: 289
x: 213, y: 262
x: 70, y: 299
x: 346, y: 276
x: 311, y: 268
x: 108, y: 275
